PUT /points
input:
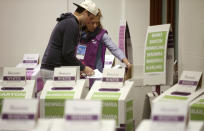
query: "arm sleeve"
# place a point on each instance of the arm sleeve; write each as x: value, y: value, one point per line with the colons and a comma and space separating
x: 70, y: 41
x: 112, y: 47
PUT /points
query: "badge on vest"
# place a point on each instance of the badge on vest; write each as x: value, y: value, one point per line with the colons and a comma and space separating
x: 81, y: 50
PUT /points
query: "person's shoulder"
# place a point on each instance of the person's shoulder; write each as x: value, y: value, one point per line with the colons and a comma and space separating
x: 70, y: 20
x: 105, y: 35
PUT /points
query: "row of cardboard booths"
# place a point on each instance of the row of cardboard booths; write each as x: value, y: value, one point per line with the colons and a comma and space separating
x: 107, y: 105
x: 108, y: 101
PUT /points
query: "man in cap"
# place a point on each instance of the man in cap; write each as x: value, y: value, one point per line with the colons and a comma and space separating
x: 64, y: 39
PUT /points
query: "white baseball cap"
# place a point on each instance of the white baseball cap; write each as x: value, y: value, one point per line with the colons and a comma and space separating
x: 89, y: 5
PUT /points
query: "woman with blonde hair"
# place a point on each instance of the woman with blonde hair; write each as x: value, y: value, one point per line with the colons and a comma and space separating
x: 96, y: 40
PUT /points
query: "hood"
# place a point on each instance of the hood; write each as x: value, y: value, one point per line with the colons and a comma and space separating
x: 64, y: 16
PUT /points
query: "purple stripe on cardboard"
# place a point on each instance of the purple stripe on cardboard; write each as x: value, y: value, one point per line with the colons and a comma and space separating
x: 187, y: 82
x: 180, y: 93
x: 64, y: 78
x: 62, y: 88
x: 13, y: 78
x: 12, y: 88
x: 29, y: 69
x: 166, y: 118
x: 109, y: 89
x: 81, y: 117
x: 6, y: 116
x: 111, y: 79
x: 30, y: 61
x: 108, y: 62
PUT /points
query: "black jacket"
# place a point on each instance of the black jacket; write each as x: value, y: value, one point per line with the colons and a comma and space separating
x: 62, y: 44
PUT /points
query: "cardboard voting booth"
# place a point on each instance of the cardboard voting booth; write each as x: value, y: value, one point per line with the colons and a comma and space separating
x: 117, y: 97
x: 83, y: 115
x: 158, y: 59
x: 170, y: 110
x: 21, y: 114
x: 18, y: 114
x: 31, y: 63
x: 187, y: 88
x: 15, y: 85
x: 169, y: 115
x: 65, y: 85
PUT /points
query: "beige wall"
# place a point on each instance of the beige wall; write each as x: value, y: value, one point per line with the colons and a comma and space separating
x: 191, y: 36
x: 138, y: 19
x: 111, y: 11
x: 25, y: 27
x: 137, y: 14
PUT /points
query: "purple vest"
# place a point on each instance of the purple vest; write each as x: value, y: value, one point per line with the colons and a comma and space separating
x: 92, y: 48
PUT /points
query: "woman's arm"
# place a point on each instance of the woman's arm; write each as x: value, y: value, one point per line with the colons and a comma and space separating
x: 115, y: 50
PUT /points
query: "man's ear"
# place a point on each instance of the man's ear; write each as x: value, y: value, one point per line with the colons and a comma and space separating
x: 85, y: 12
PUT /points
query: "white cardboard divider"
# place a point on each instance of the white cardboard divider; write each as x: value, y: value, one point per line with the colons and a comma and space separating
x: 18, y: 114
x: 189, y: 81
x: 155, y: 55
x: 83, y: 115
x: 31, y: 59
x: 30, y: 62
x: 122, y: 30
x: 66, y: 76
x: 109, y: 59
x: 168, y: 116
x: 118, y: 103
x: 113, y: 78
x: 125, y: 43
x: 186, y: 90
x: 14, y: 77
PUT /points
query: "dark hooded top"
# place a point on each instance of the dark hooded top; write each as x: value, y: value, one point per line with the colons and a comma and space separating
x: 62, y: 44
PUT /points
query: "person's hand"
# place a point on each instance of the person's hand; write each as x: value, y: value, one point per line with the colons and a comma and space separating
x: 127, y: 63
x: 88, y: 71
x: 129, y: 66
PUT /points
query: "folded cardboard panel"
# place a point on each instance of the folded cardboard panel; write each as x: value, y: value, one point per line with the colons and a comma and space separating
x: 117, y: 102
x: 52, y: 98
